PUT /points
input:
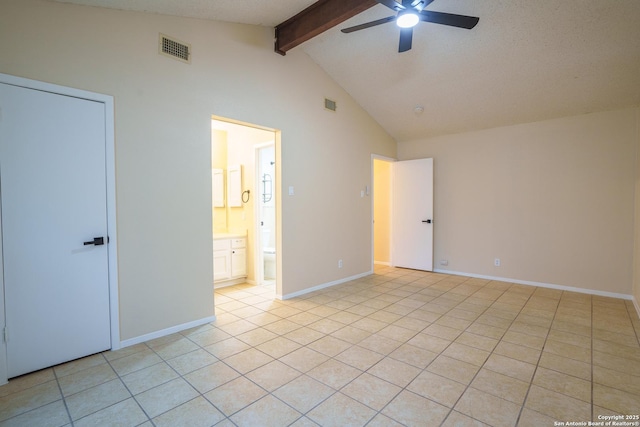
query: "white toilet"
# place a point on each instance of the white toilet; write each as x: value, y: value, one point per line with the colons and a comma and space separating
x: 269, y: 256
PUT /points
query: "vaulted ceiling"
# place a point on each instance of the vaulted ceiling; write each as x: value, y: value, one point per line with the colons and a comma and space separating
x: 524, y: 61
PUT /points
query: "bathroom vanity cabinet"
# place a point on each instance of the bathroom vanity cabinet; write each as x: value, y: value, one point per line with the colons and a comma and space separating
x: 229, y: 260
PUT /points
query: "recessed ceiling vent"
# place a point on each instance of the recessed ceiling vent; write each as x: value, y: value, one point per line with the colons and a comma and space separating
x: 176, y: 49
x: 330, y: 104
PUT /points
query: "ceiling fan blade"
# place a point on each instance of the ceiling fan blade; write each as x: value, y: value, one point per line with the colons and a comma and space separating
x: 392, y: 4
x: 369, y: 24
x: 421, y: 4
x: 460, y: 21
x: 406, y: 35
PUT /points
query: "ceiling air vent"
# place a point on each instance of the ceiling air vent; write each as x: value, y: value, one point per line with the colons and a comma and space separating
x: 174, y: 48
x: 330, y: 104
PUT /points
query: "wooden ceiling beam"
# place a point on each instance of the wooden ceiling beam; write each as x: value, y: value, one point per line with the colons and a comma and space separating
x: 316, y: 19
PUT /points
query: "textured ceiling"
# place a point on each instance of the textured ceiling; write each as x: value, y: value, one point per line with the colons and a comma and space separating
x: 525, y: 60
x: 268, y: 13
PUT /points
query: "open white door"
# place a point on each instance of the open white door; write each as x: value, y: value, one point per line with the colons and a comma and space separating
x: 412, y: 214
x: 54, y: 228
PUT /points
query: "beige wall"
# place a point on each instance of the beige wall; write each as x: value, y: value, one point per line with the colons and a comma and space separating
x: 554, y: 200
x: 382, y: 211
x: 163, y: 114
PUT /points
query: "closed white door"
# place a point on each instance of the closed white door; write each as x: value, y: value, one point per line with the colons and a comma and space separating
x: 412, y: 214
x: 54, y: 215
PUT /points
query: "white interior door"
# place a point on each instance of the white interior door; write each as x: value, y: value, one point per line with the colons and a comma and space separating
x: 53, y: 190
x: 412, y: 214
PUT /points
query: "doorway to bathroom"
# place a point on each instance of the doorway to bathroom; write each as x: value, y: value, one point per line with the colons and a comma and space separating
x: 245, y: 203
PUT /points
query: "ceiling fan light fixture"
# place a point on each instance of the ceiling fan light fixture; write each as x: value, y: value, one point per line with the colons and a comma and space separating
x: 407, y: 19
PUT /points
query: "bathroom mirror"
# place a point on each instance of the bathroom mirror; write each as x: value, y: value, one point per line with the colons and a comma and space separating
x: 217, y: 186
x: 218, y: 173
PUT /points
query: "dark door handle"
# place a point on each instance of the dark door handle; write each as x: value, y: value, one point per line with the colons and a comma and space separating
x: 96, y: 241
x: 428, y: 221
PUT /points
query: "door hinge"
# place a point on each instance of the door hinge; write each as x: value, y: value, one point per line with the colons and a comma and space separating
x: 5, y: 334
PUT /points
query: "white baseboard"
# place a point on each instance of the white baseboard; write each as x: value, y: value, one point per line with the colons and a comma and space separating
x: 165, y: 332
x: 323, y: 286
x: 231, y: 282
x: 636, y: 304
x: 540, y: 284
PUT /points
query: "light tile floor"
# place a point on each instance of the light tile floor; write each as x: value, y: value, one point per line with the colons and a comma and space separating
x: 397, y: 348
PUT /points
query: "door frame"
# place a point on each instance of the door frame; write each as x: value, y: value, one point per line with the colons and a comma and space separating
x: 108, y: 102
x: 385, y: 159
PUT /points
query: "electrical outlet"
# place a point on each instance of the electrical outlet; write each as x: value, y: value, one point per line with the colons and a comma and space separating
x: 444, y: 262
x: 496, y: 262
x: 339, y: 263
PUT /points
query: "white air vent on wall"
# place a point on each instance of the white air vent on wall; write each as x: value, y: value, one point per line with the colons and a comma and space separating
x: 174, y: 48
